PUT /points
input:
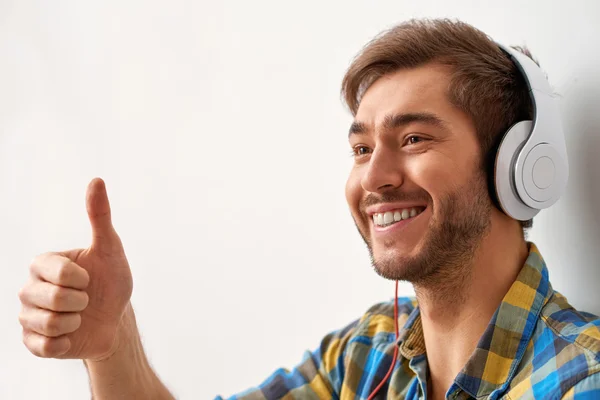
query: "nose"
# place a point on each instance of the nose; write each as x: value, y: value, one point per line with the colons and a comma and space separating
x: 384, y: 171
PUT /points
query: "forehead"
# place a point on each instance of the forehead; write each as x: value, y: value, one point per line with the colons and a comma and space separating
x: 421, y: 89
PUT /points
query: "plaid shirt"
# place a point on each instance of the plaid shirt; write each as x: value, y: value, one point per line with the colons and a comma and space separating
x: 536, y: 346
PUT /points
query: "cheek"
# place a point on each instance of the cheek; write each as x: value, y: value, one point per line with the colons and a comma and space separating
x: 435, y: 173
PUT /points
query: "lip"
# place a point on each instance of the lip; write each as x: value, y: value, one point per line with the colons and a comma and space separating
x: 381, y: 208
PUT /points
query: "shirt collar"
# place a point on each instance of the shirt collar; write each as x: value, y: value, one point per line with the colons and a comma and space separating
x: 499, y: 351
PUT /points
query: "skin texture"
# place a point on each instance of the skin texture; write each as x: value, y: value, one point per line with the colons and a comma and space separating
x: 414, y: 148
x: 418, y: 162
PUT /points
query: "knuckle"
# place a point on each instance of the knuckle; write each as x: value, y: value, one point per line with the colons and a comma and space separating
x: 33, y: 263
x: 29, y: 343
x: 52, y: 324
x: 23, y: 319
x: 25, y: 293
x: 37, y: 260
x: 58, y: 297
x: 45, y: 348
x: 22, y: 294
x: 26, y: 340
x: 65, y: 271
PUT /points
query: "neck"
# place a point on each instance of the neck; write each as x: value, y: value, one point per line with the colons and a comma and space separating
x: 456, y: 310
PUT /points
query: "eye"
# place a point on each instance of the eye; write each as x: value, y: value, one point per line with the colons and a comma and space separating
x: 360, y: 150
x: 414, y: 140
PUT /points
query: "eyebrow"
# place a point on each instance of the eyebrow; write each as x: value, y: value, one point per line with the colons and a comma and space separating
x: 394, y: 121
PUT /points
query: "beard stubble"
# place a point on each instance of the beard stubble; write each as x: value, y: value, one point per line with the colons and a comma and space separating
x: 456, y: 228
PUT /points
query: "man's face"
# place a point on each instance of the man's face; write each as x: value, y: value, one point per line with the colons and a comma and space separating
x: 417, y: 190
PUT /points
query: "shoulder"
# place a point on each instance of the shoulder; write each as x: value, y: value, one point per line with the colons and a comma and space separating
x: 577, y: 328
x: 563, y: 355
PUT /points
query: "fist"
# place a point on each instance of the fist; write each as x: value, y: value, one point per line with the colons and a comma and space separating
x: 75, y: 301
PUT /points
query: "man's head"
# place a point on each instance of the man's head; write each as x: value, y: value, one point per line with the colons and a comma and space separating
x: 431, y: 100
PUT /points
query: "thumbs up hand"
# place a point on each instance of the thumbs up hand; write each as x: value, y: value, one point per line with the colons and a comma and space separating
x: 76, y: 300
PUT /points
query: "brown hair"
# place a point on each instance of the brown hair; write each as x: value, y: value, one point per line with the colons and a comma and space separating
x: 484, y: 82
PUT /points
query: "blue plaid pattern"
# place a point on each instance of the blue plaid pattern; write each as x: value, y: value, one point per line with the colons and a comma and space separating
x: 536, y: 346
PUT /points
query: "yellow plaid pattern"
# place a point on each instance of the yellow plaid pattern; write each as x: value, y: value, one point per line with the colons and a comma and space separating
x: 536, y: 347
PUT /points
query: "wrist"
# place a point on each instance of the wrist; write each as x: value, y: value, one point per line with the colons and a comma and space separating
x: 126, y: 358
x: 125, y: 372
x: 125, y: 339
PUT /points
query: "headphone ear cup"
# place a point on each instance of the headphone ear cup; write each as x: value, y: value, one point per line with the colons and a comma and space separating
x: 504, y: 172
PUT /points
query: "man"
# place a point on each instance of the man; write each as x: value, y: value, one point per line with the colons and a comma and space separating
x: 431, y: 101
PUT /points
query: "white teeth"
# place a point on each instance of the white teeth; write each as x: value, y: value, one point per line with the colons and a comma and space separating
x: 388, y: 217
x: 405, y: 214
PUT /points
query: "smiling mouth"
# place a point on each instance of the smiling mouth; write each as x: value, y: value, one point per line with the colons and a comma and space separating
x: 392, y: 217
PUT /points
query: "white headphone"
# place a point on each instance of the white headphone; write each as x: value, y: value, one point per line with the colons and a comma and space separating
x: 531, y: 169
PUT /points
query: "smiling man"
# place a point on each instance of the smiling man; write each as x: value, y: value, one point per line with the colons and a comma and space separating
x: 431, y: 102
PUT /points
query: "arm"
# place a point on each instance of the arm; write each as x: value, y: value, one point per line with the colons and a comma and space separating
x: 126, y: 374
x: 318, y: 376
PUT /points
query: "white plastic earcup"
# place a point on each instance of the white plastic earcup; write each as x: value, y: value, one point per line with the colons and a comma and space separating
x: 541, y: 180
x: 504, y: 173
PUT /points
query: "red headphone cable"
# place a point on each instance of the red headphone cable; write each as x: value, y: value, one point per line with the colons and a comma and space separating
x: 389, y: 373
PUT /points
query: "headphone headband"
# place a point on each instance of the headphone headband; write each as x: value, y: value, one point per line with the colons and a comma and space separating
x: 534, y: 77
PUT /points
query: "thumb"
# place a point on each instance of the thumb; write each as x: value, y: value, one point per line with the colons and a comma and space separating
x: 104, y: 236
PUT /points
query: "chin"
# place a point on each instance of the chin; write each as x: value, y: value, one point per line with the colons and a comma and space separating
x: 392, y: 267
x: 406, y: 247
x: 397, y: 262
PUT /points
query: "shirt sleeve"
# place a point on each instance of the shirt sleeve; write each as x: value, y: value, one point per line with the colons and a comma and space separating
x: 318, y: 376
x: 586, y: 389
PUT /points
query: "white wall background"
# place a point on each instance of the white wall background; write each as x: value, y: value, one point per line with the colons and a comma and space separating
x: 220, y: 133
